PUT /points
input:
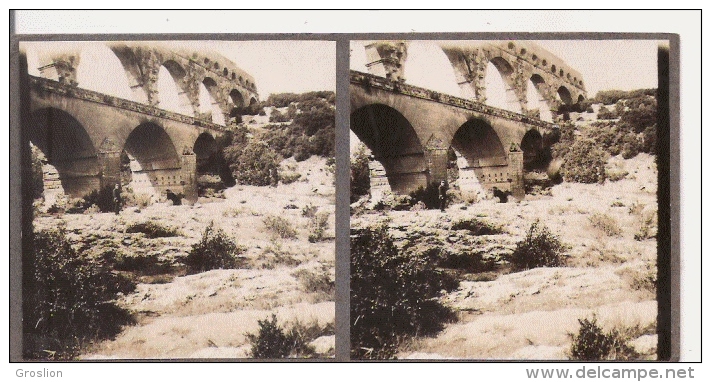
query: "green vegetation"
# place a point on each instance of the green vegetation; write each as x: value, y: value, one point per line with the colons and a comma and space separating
x: 393, y: 295
x: 592, y: 344
x: 273, y: 342
x: 68, y: 299
x: 540, y: 248
x: 215, y: 250
x: 253, y: 156
x: 280, y: 227
x: 152, y: 229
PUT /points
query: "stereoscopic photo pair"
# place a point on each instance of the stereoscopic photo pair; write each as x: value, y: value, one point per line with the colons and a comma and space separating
x: 180, y: 199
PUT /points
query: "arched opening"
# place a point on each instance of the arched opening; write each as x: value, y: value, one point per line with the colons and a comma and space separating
x: 398, y: 159
x: 498, y: 91
x: 237, y: 98
x: 564, y: 95
x: 99, y: 63
x: 481, y: 158
x: 152, y: 162
x: 208, y: 104
x: 535, y: 155
x: 213, y: 174
x: 171, y: 95
x: 64, y: 157
x: 535, y: 95
x: 426, y: 65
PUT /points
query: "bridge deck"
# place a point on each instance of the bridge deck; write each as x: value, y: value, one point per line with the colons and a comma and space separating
x: 52, y: 86
x: 369, y: 80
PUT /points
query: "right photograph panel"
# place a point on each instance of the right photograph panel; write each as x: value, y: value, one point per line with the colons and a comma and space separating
x: 504, y: 199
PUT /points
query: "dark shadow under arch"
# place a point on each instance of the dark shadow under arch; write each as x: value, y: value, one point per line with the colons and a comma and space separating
x: 394, y: 143
x: 477, y: 141
x: 68, y: 147
x: 155, y: 162
x: 536, y: 156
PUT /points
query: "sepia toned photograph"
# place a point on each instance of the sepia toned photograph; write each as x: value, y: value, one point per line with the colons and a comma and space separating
x: 504, y: 199
x: 178, y: 199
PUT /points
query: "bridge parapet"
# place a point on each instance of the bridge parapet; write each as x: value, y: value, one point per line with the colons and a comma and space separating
x: 67, y: 90
x: 369, y: 80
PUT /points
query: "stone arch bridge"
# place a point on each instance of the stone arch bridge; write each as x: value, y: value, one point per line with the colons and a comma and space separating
x: 410, y: 130
x: 83, y: 133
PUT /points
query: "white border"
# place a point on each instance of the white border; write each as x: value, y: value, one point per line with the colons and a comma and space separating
x: 685, y: 23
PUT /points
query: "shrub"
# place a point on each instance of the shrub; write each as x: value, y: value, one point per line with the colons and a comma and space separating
x: 152, y: 229
x: 584, y: 162
x: 272, y: 342
x: 102, y: 198
x: 68, y: 299
x: 476, y: 227
x: 309, y: 211
x: 318, y: 224
x: 289, y: 177
x: 360, y: 173
x: 605, y: 113
x: 37, y: 180
x: 605, y: 223
x: 277, y: 116
x: 393, y: 294
x: 540, y: 248
x: 647, y: 228
x: 252, y: 163
x: 428, y: 195
x: 316, y: 281
x: 215, y: 250
x: 592, y: 344
x: 280, y: 227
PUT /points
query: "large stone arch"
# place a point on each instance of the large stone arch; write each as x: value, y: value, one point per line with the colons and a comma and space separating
x: 142, y: 78
x: 507, y: 98
x: 481, y: 157
x: 535, y: 154
x: 155, y: 163
x: 72, y: 163
x: 538, y: 88
x: 172, y: 95
x: 394, y: 145
x: 98, y: 63
x: 564, y: 95
x: 211, y: 101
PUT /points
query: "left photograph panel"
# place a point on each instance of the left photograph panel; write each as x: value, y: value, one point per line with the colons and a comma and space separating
x: 179, y: 199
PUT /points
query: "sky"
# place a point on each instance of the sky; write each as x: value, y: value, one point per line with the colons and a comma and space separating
x: 603, y: 64
x: 277, y: 66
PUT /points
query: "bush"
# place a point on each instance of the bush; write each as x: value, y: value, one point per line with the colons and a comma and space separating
x: 289, y: 177
x: 309, y: 211
x: 280, y: 227
x: 592, y: 344
x: 102, y: 198
x: 252, y: 163
x: 476, y: 227
x: 584, y: 162
x: 360, y: 173
x: 68, y: 299
x: 272, y: 342
x: 428, y: 195
x: 605, y: 113
x: 316, y: 281
x: 318, y: 224
x: 215, y: 250
x: 606, y: 224
x: 152, y: 229
x: 393, y: 295
x: 540, y: 248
